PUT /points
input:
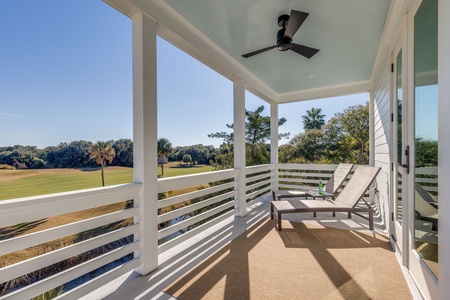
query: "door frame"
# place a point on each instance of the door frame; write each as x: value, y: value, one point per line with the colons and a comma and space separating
x: 400, y: 232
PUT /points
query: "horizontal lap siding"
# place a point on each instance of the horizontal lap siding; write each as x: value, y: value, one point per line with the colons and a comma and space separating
x: 382, y: 123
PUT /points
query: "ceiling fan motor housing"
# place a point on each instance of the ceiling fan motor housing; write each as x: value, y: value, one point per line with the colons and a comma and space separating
x: 283, y: 42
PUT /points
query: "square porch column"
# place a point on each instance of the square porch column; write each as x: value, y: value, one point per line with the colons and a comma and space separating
x: 274, y: 142
x: 239, y: 145
x: 145, y: 138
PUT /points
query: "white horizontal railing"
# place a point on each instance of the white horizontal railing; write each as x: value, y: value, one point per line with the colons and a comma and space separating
x: 210, y: 198
x: 427, y: 177
x: 19, y: 212
x: 190, y: 213
x: 259, y: 182
x: 301, y: 176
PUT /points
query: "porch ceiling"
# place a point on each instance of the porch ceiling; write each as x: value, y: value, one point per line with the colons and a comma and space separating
x: 347, y: 32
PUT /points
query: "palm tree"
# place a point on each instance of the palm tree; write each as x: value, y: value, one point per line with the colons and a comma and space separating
x: 164, y: 148
x: 313, y: 119
x: 102, y: 152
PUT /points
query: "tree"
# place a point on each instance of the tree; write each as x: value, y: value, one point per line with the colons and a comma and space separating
x: 102, y: 152
x: 355, y: 122
x: 338, y: 143
x: 187, y: 159
x: 164, y: 148
x: 257, y: 134
x: 124, y: 152
x: 310, y: 146
x: 200, y: 154
x: 69, y: 155
x: 344, y: 138
x: 314, y: 119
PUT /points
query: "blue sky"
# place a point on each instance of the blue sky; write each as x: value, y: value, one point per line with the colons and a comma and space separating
x: 65, y: 74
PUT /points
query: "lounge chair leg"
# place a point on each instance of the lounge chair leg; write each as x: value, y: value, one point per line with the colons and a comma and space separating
x: 349, y: 214
x: 370, y: 220
x: 271, y: 211
x: 279, y: 221
x: 315, y: 215
x: 334, y: 214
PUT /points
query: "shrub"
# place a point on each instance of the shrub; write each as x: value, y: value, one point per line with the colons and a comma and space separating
x: 6, y: 167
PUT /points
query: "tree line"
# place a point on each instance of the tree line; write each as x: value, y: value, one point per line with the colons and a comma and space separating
x: 343, y: 138
x: 75, y: 154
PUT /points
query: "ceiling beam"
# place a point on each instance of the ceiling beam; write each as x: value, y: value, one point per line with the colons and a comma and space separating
x: 326, y: 92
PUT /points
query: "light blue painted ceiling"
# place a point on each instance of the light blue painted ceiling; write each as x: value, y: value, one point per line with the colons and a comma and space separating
x: 347, y: 32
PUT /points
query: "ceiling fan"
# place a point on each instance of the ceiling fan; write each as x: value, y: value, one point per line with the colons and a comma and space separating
x: 290, y: 25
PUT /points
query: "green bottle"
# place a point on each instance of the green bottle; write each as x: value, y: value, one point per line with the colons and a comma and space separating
x: 320, y: 187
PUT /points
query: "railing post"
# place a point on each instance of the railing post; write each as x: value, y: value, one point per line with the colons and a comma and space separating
x: 239, y: 144
x: 274, y: 142
x: 145, y: 138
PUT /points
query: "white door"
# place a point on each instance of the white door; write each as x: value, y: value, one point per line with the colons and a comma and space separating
x: 422, y: 180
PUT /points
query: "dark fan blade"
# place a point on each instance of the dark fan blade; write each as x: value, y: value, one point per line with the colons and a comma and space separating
x: 258, y: 51
x: 307, y: 52
x: 296, y: 19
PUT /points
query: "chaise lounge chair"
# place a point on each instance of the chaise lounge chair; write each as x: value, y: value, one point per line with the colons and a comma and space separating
x: 330, y: 188
x: 346, y: 201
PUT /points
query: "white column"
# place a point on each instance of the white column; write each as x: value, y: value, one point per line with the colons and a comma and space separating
x: 444, y: 146
x: 274, y: 142
x: 145, y: 137
x: 371, y: 128
x: 239, y: 144
x: 372, y: 141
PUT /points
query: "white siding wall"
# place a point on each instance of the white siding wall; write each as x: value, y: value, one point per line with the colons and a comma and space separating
x: 382, y: 136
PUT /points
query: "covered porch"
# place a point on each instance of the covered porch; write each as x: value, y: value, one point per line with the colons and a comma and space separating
x: 160, y: 246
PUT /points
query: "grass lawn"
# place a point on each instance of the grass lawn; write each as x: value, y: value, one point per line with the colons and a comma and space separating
x: 24, y: 183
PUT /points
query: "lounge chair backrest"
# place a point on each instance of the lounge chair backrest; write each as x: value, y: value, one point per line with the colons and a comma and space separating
x: 422, y: 201
x: 357, y: 186
x: 338, y: 177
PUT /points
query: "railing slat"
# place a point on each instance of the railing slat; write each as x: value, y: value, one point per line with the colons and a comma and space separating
x: 303, y: 174
x: 256, y: 185
x: 100, y: 281
x: 187, y: 209
x: 181, y: 238
x: 29, y: 209
x: 259, y: 168
x: 309, y: 167
x: 188, y: 196
x: 259, y: 177
x: 253, y: 194
x: 314, y: 181
x: 47, y: 259
x: 36, y: 238
x: 183, y: 224
x: 259, y: 198
x: 175, y: 183
x: 294, y: 187
x: 56, y: 280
